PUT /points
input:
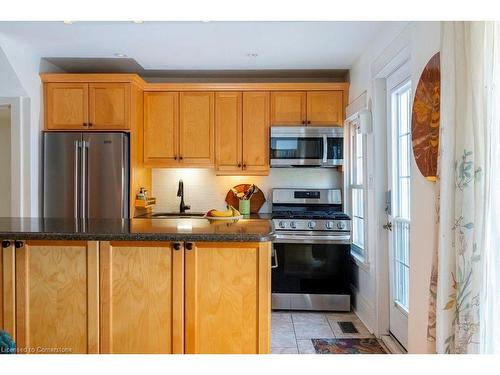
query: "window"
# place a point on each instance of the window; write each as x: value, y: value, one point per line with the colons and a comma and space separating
x: 401, y: 146
x: 357, y: 190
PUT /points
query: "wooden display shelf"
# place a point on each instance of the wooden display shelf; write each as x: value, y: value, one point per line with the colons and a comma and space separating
x: 141, y: 203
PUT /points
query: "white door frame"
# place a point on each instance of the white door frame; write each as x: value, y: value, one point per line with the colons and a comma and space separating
x: 376, y: 231
x: 20, y: 154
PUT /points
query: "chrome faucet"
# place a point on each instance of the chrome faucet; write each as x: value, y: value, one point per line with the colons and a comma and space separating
x: 180, y: 193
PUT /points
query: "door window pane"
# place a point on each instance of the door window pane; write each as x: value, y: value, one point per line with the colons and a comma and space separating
x: 401, y: 140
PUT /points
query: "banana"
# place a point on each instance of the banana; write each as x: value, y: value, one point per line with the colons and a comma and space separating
x: 217, y: 213
x: 235, y: 211
x: 230, y: 212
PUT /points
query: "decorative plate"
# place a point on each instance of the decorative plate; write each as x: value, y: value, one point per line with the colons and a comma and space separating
x: 256, y: 202
x: 425, y: 119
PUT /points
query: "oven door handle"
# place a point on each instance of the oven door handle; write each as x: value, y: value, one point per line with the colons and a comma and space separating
x: 274, y: 259
x: 319, y: 239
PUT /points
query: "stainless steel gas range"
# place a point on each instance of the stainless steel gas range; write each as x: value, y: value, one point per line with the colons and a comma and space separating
x: 311, y: 253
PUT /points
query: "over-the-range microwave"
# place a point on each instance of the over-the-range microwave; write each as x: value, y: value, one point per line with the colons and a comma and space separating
x: 306, y: 146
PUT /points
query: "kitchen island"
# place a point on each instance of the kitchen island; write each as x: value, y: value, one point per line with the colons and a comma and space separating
x: 136, y: 286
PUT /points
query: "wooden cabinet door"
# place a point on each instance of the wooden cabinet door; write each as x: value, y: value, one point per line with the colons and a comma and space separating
x: 288, y: 108
x: 161, y: 128
x: 255, y: 133
x: 141, y: 286
x: 228, y: 122
x: 228, y: 298
x: 325, y: 108
x: 196, y: 135
x: 66, y: 106
x: 7, y: 288
x: 57, y: 297
x: 109, y: 106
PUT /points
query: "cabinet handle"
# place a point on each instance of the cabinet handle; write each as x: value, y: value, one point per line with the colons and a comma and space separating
x: 239, y: 165
x: 18, y: 244
x: 5, y: 244
x: 303, y: 122
x: 175, y: 157
x: 189, y: 245
x: 244, y: 166
x: 90, y: 124
x: 308, y: 122
x: 180, y: 157
x: 84, y: 124
x: 177, y: 245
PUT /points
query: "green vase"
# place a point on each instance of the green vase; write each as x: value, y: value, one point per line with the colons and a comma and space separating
x: 244, y: 207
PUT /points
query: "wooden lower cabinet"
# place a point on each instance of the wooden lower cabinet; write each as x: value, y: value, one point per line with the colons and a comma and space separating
x: 7, y: 288
x: 228, y: 299
x: 57, y: 299
x: 136, y: 297
x: 141, y: 288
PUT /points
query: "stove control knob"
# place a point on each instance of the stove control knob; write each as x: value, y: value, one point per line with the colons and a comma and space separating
x: 311, y: 224
x: 329, y: 225
x: 293, y: 224
x: 282, y: 224
x: 341, y: 225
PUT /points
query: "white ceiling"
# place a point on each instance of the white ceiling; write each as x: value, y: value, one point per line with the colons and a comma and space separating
x: 203, y: 45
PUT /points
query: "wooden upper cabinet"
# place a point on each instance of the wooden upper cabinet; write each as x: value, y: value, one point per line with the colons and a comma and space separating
x: 227, y: 296
x: 142, y: 298
x: 196, y: 135
x: 228, y: 123
x: 313, y: 108
x: 57, y: 297
x: 288, y: 108
x: 161, y: 128
x: 255, y: 138
x: 87, y: 106
x: 66, y: 106
x: 109, y: 105
x: 325, y: 108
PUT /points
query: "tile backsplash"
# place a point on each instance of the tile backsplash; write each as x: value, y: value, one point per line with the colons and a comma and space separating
x: 203, y: 190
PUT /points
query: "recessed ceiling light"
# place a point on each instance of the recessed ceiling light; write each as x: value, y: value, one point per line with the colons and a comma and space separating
x: 68, y: 22
x: 138, y: 21
x: 120, y: 54
x: 252, y: 54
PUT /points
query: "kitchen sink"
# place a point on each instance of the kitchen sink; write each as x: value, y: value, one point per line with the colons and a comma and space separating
x: 174, y: 215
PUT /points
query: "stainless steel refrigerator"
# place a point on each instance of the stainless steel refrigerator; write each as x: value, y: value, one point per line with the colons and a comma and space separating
x: 85, y: 175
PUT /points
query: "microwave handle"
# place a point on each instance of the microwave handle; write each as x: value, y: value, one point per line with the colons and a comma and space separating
x: 325, y: 148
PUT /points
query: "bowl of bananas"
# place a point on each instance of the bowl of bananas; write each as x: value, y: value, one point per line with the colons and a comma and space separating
x: 230, y: 214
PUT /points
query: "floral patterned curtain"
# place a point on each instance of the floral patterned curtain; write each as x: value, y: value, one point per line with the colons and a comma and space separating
x: 457, y: 276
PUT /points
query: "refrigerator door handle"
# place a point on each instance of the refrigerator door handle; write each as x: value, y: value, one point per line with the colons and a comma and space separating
x: 76, y: 170
x: 84, y: 179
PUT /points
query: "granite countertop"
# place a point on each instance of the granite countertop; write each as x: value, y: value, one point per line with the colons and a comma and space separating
x: 252, y: 229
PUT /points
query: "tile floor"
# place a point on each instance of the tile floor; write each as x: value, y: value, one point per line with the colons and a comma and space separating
x: 291, y: 332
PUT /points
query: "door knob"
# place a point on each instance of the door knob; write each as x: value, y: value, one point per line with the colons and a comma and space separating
x: 189, y: 245
x: 177, y: 246
x: 5, y: 244
x: 388, y: 226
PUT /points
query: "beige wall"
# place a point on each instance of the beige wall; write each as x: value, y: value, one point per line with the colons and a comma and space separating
x: 204, y: 190
x: 5, y: 162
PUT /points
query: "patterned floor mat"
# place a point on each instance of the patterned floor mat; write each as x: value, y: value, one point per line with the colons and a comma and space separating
x: 348, y: 346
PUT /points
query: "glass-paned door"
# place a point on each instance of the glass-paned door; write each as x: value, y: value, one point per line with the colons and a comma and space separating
x: 399, y: 158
